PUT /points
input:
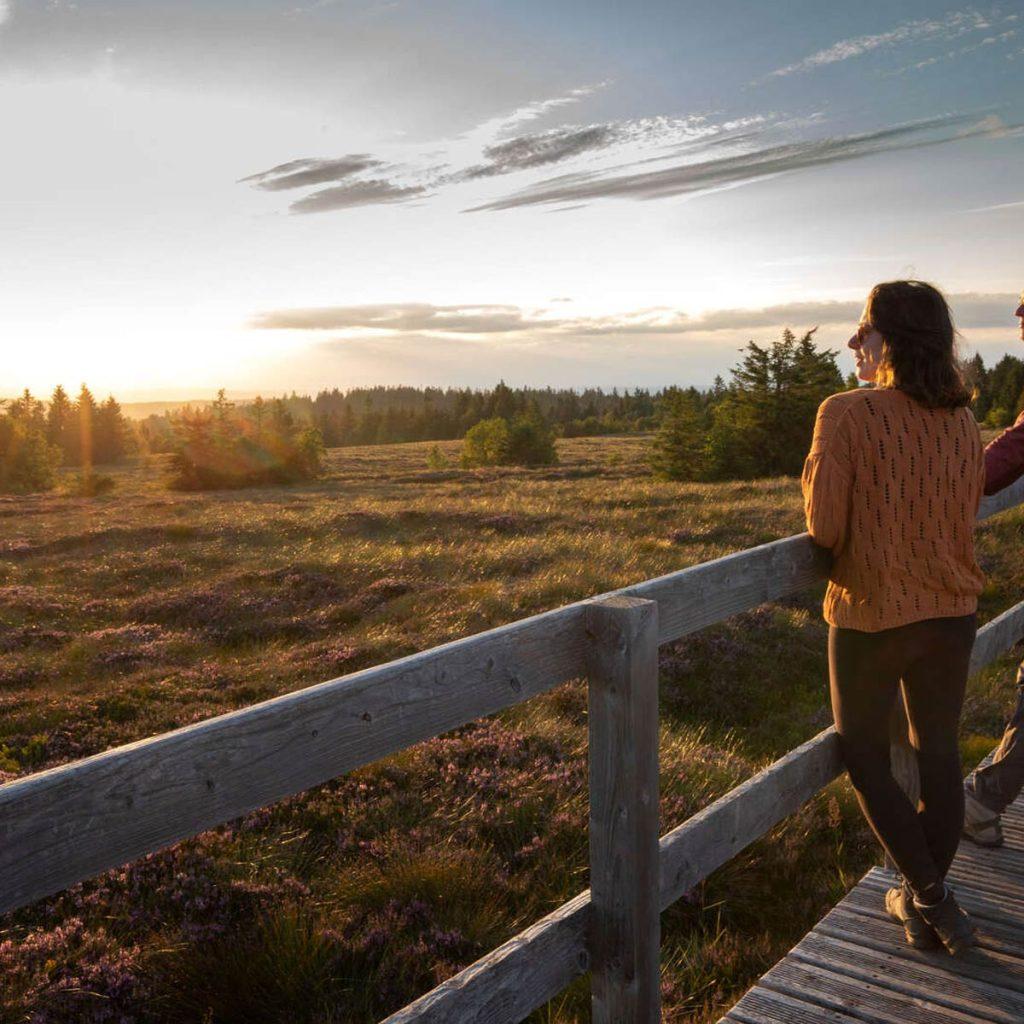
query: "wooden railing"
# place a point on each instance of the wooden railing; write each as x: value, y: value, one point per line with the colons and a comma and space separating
x: 67, y: 824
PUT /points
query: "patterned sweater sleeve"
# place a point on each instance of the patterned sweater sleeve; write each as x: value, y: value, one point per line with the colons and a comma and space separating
x: 828, y: 477
x: 1004, y: 458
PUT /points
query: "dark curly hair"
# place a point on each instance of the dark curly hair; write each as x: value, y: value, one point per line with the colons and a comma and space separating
x: 919, y: 355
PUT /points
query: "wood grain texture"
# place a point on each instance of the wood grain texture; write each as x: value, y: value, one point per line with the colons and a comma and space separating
x: 997, y: 637
x: 625, y: 935
x: 690, y: 852
x: 535, y: 965
x: 1009, y: 497
x: 501, y: 986
x: 61, y: 826
x: 510, y: 982
x: 856, y: 963
x: 72, y: 822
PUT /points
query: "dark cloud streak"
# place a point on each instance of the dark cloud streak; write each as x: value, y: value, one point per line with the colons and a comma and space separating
x: 541, y: 148
x: 311, y: 171
x: 740, y: 168
x: 357, y: 193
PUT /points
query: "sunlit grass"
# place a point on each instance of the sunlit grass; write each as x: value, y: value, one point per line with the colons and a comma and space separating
x: 139, y: 610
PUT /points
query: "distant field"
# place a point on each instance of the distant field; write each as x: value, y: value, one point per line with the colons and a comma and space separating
x: 145, y: 610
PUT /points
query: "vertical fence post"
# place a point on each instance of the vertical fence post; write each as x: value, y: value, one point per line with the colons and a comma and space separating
x: 625, y: 943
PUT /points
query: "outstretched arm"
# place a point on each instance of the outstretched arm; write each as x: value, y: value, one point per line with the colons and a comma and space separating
x: 1004, y: 458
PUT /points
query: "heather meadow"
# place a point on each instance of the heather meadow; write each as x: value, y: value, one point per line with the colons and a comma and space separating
x: 142, y: 610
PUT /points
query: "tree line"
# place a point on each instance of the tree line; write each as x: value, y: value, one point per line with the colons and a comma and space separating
x: 392, y: 415
x: 757, y: 424
x: 37, y: 438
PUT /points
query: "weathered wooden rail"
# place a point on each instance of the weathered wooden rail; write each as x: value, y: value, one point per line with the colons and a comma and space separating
x: 72, y: 822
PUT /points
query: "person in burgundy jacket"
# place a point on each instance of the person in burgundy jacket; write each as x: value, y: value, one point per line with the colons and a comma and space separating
x: 989, y: 791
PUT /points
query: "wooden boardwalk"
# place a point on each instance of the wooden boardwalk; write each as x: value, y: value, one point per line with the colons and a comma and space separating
x: 856, y: 966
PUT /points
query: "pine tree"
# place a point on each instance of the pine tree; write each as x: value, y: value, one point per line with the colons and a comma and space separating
x: 978, y: 376
x: 112, y: 432
x: 763, y: 425
x: 59, y: 421
x: 678, y: 449
x: 83, y: 426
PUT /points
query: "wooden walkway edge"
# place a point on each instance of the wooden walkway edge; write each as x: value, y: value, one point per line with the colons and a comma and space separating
x: 855, y: 966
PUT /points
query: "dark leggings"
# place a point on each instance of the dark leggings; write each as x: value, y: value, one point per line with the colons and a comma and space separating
x: 931, y: 658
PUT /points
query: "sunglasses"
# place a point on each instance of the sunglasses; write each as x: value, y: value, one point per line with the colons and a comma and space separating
x: 863, y: 330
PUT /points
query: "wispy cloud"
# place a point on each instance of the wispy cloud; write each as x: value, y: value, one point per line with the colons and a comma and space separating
x: 1004, y: 38
x: 406, y: 316
x: 311, y: 171
x: 540, y: 148
x: 972, y: 309
x: 496, y: 127
x: 951, y: 26
x: 996, y: 206
x: 357, y: 193
x: 365, y: 179
x: 5, y: 10
x: 638, y: 158
x: 752, y: 165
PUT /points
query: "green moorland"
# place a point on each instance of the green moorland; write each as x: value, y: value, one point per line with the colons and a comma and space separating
x: 144, y: 610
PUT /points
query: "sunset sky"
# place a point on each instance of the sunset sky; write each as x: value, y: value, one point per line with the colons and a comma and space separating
x: 275, y: 196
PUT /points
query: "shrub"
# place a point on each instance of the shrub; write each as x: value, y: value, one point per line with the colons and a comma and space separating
x: 531, y: 442
x: 436, y: 459
x: 219, y: 449
x: 487, y: 443
x: 526, y: 441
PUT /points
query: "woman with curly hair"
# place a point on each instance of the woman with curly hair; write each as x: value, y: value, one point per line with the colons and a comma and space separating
x: 891, y: 487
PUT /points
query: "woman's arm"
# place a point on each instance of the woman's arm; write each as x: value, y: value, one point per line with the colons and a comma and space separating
x: 1004, y: 458
x: 828, y: 477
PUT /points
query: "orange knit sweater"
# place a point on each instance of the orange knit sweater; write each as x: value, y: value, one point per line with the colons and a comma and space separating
x: 892, y: 488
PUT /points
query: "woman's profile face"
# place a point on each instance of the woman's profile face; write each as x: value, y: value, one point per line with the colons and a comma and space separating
x: 867, y: 347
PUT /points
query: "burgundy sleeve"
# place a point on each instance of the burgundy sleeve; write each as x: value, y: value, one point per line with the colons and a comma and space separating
x: 1004, y: 458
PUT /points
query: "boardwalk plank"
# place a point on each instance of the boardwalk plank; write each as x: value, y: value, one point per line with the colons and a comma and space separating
x: 820, y: 984
x: 976, y: 902
x: 1001, y: 959
x: 763, y: 1006
x: 906, y: 975
x: 855, y: 964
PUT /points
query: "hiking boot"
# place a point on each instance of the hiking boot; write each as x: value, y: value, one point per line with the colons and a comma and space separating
x: 900, y: 907
x: 950, y: 924
x: 981, y: 825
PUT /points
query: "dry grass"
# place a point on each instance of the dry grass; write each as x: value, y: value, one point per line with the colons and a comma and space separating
x: 140, y: 610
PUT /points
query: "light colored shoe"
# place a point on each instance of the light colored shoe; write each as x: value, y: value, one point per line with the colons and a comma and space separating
x: 900, y: 907
x: 981, y: 825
